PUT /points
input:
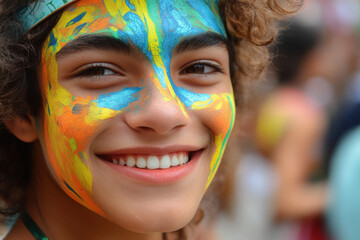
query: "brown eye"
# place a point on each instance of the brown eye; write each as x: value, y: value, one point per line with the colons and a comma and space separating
x: 99, y: 76
x: 197, y: 68
x: 96, y: 71
x: 200, y: 68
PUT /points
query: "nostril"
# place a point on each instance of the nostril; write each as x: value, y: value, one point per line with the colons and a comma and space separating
x: 144, y: 128
x: 161, y: 129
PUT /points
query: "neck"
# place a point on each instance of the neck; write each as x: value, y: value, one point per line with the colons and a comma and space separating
x: 60, y: 217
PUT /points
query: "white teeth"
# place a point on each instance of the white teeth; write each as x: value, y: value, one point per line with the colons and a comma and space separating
x: 152, y: 162
x: 165, y: 162
x: 122, y: 162
x: 181, y: 159
x: 186, y: 158
x: 130, y: 162
x: 141, y: 162
x: 174, y: 160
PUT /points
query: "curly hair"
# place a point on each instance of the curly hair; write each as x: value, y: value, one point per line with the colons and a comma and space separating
x: 251, y: 26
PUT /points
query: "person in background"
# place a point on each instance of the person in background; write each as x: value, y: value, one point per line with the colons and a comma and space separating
x: 289, y: 133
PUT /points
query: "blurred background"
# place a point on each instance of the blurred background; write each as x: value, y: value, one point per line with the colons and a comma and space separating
x: 293, y: 165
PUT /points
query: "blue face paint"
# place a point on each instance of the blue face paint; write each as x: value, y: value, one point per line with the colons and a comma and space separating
x: 118, y: 100
x: 155, y: 28
x: 189, y: 97
x: 76, y: 19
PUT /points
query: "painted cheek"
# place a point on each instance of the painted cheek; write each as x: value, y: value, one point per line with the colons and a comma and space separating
x: 223, y: 118
x: 62, y: 132
x: 70, y: 122
x: 220, y: 112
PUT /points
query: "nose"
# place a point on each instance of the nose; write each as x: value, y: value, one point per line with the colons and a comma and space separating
x: 157, y: 112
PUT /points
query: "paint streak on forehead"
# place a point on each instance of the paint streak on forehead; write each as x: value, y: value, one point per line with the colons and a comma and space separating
x: 155, y: 27
x: 144, y: 23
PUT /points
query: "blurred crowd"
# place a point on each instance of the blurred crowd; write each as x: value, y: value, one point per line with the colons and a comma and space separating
x: 297, y: 173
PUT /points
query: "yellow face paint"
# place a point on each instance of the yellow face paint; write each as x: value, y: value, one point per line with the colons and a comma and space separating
x: 155, y: 28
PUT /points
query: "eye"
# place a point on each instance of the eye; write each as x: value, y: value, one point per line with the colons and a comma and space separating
x: 203, y: 67
x: 96, y: 70
x: 99, y: 76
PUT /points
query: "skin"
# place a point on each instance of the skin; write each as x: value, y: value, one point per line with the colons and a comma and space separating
x: 160, y: 97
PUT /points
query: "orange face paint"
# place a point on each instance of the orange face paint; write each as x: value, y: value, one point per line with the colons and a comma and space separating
x: 71, y: 122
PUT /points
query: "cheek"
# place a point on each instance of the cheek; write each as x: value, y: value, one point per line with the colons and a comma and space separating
x: 217, y: 113
x: 67, y: 135
x: 69, y: 125
x: 222, y: 122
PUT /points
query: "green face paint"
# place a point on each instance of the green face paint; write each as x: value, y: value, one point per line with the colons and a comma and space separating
x: 72, y: 122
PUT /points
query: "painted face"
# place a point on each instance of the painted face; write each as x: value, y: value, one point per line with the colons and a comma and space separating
x: 138, y: 107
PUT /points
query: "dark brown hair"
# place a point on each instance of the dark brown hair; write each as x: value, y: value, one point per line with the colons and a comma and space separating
x: 251, y: 27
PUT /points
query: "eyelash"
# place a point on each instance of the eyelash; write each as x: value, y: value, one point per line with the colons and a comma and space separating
x: 96, y: 70
x: 203, y: 64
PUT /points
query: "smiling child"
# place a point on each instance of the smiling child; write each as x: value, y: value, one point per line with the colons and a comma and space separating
x: 117, y: 112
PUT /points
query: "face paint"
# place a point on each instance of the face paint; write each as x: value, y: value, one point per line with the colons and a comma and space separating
x: 222, y: 109
x: 154, y: 27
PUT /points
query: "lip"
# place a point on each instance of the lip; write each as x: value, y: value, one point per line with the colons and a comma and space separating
x: 155, y: 176
x: 151, y: 150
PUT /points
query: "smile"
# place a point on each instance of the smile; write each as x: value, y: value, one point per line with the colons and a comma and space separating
x: 150, y: 161
x: 153, y: 165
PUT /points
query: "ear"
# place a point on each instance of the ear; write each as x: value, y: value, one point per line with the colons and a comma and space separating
x: 23, y: 128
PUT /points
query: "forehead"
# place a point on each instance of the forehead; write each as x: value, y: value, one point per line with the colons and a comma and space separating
x: 146, y: 24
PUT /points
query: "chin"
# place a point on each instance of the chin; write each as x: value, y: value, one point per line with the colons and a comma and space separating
x: 147, y: 206
x: 163, y: 220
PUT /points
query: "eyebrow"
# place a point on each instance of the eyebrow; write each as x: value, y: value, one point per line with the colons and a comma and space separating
x: 204, y: 40
x: 98, y: 42
x: 108, y: 43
